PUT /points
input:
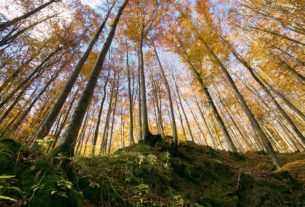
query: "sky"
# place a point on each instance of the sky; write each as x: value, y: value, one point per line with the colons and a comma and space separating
x: 92, y: 3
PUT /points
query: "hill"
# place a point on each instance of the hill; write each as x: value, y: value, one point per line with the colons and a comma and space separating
x: 141, y: 175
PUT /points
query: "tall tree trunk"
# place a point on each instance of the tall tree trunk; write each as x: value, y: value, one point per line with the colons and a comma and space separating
x: 11, y: 37
x: 145, y: 128
x: 47, y: 125
x: 156, y: 96
x: 29, y: 77
x: 87, y: 140
x: 122, y: 130
x: 9, y: 23
x: 113, y: 116
x: 205, y: 122
x: 283, y: 125
x: 99, y: 115
x: 64, y: 121
x: 283, y: 63
x: 196, y: 121
x: 226, y: 111
x: 70, y: 137
x: 170, y: 100
x: 25, y: 113
x: 15, y: 102
x: 282, y: 97
x: 82, y: 131
x: 210, y: 101
x: 245, y: 107
x: 131, y: 139
x: 3, y: 127
x: 279, y: 35
x: 183, y: 111
x: 107, y: 120
x: 139, y: 99
x: 17, y: 71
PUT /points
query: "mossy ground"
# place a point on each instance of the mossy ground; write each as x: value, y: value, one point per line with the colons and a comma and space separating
x: 141, y: 175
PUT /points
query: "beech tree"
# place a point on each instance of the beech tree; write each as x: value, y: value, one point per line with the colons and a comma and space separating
x: 91, y: 80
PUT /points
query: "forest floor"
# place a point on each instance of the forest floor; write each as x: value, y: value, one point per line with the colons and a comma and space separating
x: 142, y: 175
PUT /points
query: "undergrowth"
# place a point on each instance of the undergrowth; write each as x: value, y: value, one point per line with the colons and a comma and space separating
x: 141, y: 175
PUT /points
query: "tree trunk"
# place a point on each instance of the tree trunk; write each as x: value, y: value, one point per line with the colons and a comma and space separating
x: 210, y: 101
x: 107, y: 120
x: 47, y: 125
x: 284, y: 99
x: 145, y: 128
x: 181, y: 121
x: 67, y: 147
x: 10, y: 38
x: 156, y: 96
x: 170, y: 100
x: 99, y: 115
x: 25, y: 113
x: 247, y: 110
x: 7, y: 24
x: 205, y: 122
x: 197, y: 123
x: 183, y: 111
x: 131, y: 139
x: 64, y: 121
x: 30, y: 77
x: 113, y: 116
x: 139, y: 99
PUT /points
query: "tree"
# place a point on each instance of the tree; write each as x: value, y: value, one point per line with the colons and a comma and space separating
x: 67, y: 147
x: 46, y: 126
x: 9, y: 23
x: 169, y: 96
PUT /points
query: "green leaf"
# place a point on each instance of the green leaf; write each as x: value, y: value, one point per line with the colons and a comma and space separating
x: 15, y: 188
x: 7, y: 198
x: 7, y: 176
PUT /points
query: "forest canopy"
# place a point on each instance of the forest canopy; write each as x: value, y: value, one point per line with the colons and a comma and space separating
x: 84, y: 80
x: 224, y: 74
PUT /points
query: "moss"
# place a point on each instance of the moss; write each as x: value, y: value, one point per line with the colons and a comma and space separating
x: 237, y: 156
x: 145, y: 175
x: 9, y: 149
x: 142, y: 148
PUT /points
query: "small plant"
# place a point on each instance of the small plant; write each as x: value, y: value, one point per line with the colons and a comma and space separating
x: 178, y: 200
x: 4, y: 185
x: 140, y: 192
x: 63, y: 186
x: 140, y: 158
x: 152, y: 159
x: 45, y: 142
x: 165, y: 158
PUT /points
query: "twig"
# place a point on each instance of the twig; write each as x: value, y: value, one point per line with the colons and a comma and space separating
x: 238, y: 180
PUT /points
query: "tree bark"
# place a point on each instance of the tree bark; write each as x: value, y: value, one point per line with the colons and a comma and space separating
x: 67, y: 147
x: 245, y: 107
x: 31, y: 76
x: 99, y: 115
x: 205, y: 122
x: 131, y: 139
x: 47, y: 125
x: 113, y: 116
x: 170, y: 100
x: 145, y: 128
x: 7, y: 24
x: 183, y: 111
x: 210, y: 101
